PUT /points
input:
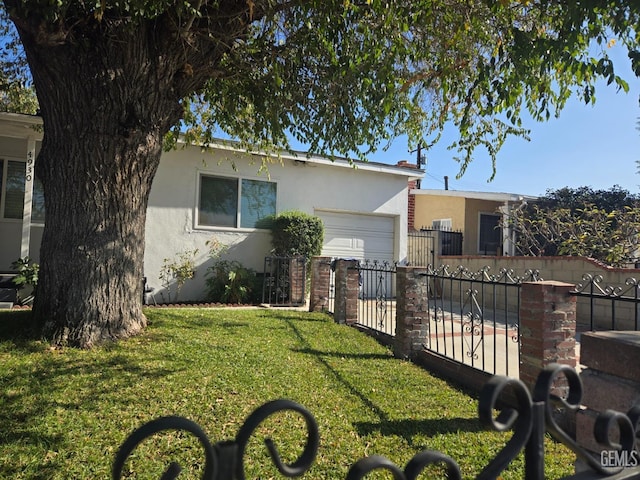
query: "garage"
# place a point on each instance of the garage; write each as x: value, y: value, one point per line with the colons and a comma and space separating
x: 356, y: 235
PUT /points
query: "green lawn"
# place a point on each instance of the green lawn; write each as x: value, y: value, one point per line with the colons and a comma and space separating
x: 64, y: 413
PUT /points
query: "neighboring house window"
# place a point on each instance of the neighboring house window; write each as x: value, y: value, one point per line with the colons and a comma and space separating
x: 12, y: 190
x: 441, y: 224
x: 490, y: 235
x: 235, y: 202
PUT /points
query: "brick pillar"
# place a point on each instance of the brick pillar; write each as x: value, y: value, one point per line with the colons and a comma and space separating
x: 347, y: 289
x: 412, y: 317
x: 610, y: 381
x: 297, y: 280
x: 411, y: 206
x: 320, y: 278
x: 411, y: 201
x: 547, y: 327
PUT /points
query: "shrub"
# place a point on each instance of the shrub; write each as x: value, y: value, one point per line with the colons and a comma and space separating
x: 296, y: 233
x: 229, y: 282
x: 27, y: 276
x: 179, y: 269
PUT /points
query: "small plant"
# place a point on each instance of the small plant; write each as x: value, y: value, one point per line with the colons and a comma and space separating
x: 27, y: 276
x: 176, y: 271
x: 228, y: 281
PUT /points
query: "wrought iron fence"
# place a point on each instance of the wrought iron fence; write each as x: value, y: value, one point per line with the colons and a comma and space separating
x: 423, y: 245
x: 331, y: 295
x: 609, y: 307
x: 377, y: 295
x: 530, y: 416
x: 474, y: 317
x: 284, y: 281
x: 420, y: 248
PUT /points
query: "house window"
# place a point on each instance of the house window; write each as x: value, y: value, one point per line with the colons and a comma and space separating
x: 235, y: 202
x: 12, y: 190
x: 490, y: 234
x: 443, y: 224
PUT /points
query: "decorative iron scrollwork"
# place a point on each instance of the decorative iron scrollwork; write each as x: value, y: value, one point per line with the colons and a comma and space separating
x: 606, y: 422
x: 472, y: 324
x: 503, y: 277
x: 527, y: 415
x: 411, y: 471
x: 225, y: 460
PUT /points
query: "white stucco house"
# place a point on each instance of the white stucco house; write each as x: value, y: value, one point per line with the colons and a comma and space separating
x: 220, y: 194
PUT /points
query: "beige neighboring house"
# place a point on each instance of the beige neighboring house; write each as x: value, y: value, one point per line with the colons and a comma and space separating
x: 476, y: 214
x: 220, y: 194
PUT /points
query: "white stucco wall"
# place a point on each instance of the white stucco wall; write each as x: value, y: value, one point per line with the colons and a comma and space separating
x: 308, y: 186
x: 15, y: 133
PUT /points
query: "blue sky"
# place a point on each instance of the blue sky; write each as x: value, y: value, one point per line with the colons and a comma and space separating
x: 587, y: 145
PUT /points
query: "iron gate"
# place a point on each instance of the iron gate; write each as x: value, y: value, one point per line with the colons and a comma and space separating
x: 377, y: 298
x: 284, y: 281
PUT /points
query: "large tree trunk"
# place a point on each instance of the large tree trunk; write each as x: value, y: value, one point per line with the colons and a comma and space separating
x: 106, y: 105
x: 96, y: 192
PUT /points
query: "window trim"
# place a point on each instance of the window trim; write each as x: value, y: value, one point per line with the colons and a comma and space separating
x: 3, y: 192
x: 238, y: 178
x: 440, y: 222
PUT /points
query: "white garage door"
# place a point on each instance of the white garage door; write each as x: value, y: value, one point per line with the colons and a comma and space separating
x: 360, y: 236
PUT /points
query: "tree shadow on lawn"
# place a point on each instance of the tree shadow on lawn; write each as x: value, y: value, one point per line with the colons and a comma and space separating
x: 31, y: 390
x: 406, y: 428
x: 409, y: 428
x: 302, y: 316
x: 353, y: 356
x: 18, y: 328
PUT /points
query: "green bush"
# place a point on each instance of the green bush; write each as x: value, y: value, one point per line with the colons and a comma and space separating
x: 27, y: 276
x: 296, y: 233
x: 228, y: 281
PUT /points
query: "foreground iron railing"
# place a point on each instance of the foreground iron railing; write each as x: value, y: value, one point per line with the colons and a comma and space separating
x: 529, y: 418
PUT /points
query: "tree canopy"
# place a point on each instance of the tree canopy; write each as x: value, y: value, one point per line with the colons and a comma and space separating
x: 116, y: 79
x: 16, y: 90
x: 599, y: 224
x: 345, y: 77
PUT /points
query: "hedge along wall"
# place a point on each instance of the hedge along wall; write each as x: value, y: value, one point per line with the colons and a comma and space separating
x: 563, y: 269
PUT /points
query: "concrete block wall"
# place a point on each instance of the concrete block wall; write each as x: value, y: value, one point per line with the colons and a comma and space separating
x: 564, y: 269
x: 610, y: 381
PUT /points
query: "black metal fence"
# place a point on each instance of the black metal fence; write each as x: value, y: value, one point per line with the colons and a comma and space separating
x: 423, y: 245
x: 331, y: 296
x: 450, y: 242
x: 284, y: 281
x: 377, y: 295
x: 420, y: 248
x: 474, y: 317
x: 607, y: 307
x: 528, y: 415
